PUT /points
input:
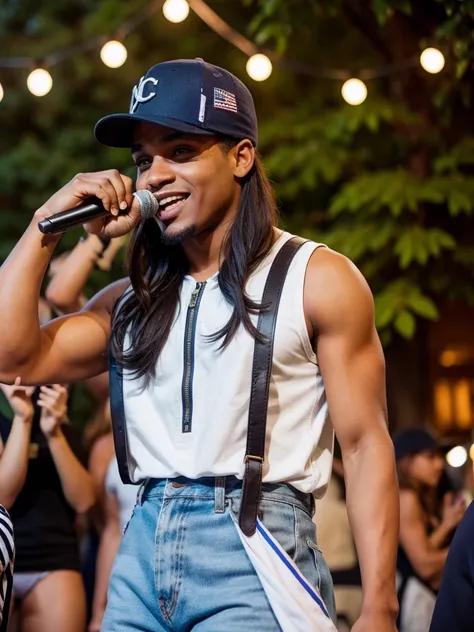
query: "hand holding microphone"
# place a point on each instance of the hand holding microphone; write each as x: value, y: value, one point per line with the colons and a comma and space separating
x: 103, y: 202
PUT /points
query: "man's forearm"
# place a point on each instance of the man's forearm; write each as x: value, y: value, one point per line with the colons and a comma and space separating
x: 21, y: 277
x: 78, y: 485
x: 373, y: 508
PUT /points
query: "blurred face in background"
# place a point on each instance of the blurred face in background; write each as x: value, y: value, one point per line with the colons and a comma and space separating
x: 425, y: 468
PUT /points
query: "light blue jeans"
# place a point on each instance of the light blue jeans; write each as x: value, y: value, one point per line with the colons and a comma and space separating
x: 182, y: 567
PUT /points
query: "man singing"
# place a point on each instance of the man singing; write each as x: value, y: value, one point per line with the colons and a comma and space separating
x: 181, y: 333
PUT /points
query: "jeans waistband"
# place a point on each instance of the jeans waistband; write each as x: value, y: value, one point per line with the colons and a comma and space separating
x: 205, y: 488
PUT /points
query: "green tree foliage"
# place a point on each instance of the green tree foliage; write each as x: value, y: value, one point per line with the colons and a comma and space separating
x: 46, y: 141
x: 389, y: 182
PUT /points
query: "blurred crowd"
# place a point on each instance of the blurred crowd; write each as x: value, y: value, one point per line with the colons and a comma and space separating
x: 68, y: 506
x: 432, y: 506
x: 60, y: 486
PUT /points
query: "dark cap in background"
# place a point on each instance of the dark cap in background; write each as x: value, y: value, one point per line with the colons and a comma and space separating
x: 413, y: 441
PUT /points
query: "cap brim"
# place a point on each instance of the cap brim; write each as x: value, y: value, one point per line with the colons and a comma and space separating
x: 118, y: 130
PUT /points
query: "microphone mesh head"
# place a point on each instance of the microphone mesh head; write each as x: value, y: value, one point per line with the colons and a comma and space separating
x: 149, y: 205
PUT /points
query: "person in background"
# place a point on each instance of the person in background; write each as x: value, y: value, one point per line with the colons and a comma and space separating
x: 7, y: 559
x: 41, y: 463
x: 20, y: 400
x: 454, y: 608
x: 336, y: 541
x: 65, y: 293
x: 68, y: 275
x: 120, y: 500
x: 70, y: 271
x: 426, y: 525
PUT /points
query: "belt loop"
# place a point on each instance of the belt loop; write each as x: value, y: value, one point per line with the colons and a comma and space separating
x: 141, y: 491
x: 219, y: 494
x: 312, y: 505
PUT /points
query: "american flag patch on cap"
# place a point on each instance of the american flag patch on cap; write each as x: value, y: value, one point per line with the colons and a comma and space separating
x: 224, y: 100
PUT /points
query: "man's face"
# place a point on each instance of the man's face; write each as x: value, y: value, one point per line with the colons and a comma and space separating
x: 190, y: 175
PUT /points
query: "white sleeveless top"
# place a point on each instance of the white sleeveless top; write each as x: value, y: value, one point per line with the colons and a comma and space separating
x: 126, y: 495
x: 191, y: 419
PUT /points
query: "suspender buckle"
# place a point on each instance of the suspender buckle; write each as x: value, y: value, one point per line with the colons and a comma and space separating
x: 255, y: 458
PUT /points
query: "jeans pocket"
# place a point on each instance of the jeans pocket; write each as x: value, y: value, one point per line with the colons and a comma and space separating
x: 323, y: 577
x: 279, y: 518
x: 318, y: 560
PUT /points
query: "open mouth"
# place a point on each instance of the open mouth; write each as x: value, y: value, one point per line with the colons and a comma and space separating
x: 171, y: 206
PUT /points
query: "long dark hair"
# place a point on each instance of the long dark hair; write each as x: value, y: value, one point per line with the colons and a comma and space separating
x: 427, y: 496
x: 156, y: 272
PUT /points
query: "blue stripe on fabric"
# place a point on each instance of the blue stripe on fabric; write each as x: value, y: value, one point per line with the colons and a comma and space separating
x: 309, y: 589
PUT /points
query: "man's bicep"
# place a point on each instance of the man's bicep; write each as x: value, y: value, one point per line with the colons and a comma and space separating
x: 349, y: 351
x: 73, y: 348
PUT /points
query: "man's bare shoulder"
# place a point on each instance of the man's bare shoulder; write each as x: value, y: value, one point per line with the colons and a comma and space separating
x: 335, y: 290
x: 108, y: 296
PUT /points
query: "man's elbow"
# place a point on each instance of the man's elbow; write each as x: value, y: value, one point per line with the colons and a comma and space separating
x: 358, y: 443
x: 13, y: 363
x: 21, y: 358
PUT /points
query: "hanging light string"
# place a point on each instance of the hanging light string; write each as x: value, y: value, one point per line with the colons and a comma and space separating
x: 259, y: 65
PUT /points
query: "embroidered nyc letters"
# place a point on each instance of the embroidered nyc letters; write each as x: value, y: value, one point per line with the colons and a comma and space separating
x: 138, y: 93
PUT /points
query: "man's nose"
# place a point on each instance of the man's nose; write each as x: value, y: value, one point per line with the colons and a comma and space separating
x: 160, y: 173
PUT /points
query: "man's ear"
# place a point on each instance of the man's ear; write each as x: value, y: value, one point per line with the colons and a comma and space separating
x: 244, y: 158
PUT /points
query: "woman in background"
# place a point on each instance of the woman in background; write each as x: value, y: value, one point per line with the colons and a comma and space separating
x: 69, y: 274
x: 119, y: 503
x: 20, y: 400
x: 426, y: 526
x: 43, y: 462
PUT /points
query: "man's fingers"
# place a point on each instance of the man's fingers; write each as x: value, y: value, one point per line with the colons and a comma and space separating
x: 110, y: 199
x: 119, y: 183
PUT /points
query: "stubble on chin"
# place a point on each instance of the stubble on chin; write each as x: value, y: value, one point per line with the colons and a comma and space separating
x: 174, y: 238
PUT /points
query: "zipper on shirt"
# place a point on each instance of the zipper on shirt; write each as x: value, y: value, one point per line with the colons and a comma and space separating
x: 188, y: 366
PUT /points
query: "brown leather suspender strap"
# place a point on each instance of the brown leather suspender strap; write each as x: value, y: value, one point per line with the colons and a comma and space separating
x: 261, y: 372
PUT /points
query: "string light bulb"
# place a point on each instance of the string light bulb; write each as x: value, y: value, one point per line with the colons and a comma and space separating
x: 176, y: 10
x: 113, y: 54
x: 457, y: 456
x: 1, y: 92
x: 39, y: 82
x: 259, y: 67
x: 471, y: 452
x: 354, y: 91
x: 432, y: 60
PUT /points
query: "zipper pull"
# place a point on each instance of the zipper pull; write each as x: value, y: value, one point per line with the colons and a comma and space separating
x: 194, y: 295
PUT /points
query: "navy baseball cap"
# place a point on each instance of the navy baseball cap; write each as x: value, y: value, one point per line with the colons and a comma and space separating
x: 413, y: 441
x: 188, y: 95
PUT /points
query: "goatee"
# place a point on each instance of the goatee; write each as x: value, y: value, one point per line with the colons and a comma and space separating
x: 175, y: 238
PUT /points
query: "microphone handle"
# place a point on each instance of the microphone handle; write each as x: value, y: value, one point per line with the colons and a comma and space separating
x: 60, y: 222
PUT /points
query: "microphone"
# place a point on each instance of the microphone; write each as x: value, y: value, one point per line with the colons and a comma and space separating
x: 91, y: 209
